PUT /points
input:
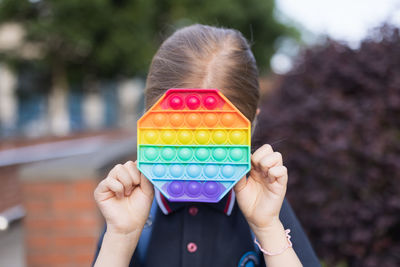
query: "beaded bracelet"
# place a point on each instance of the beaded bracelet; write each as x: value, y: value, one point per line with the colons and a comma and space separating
x: 289, y: 245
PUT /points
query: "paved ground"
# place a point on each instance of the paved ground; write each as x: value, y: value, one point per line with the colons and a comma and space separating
x: 12, y: 246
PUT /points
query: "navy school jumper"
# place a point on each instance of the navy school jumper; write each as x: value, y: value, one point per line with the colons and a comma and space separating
x: 213, y: 235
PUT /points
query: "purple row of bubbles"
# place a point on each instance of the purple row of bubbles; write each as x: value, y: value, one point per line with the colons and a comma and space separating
x: 192, y: 102
x: 193, y: 189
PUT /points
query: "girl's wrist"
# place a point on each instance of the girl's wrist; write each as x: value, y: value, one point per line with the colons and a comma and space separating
x: 272, y: 237
x: 117, y: 248
x: 124, y: 231
x: 273, y: 226
x: 123, y: 244
x: 125, y: 237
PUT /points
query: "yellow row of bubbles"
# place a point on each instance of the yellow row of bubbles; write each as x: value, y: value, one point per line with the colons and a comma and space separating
x: 194, y: 137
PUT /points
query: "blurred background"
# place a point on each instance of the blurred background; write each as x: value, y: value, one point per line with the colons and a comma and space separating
x: 72, y: 75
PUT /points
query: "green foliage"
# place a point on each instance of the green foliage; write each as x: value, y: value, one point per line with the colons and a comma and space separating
x: 111, y: 38
x: 336, y: 119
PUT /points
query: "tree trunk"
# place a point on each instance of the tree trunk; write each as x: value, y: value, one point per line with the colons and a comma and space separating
x: 58, y: 101
x: 8, y: 100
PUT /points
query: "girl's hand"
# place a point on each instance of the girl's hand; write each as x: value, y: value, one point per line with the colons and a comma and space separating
x: 125, y: 199
x: 260, y: 196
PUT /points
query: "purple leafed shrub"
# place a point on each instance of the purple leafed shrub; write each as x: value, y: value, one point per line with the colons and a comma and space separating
x: 337, y: 115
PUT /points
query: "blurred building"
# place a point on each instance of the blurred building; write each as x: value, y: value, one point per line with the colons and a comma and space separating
x: 112, y: 104
x: 49, y: 183
x: 29, y: 109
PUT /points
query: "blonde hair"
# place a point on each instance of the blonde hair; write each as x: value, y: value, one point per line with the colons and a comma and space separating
x: 200, y: 56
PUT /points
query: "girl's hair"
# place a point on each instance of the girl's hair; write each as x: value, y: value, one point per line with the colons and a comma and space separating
x: 201, y: 56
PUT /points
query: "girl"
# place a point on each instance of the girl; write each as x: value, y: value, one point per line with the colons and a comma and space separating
x: 196, y: 234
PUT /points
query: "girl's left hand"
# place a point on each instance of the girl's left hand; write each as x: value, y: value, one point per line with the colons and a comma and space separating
x: 261, y: 195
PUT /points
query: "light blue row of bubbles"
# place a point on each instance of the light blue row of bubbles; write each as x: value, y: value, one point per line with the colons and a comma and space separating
x: 195, y: 171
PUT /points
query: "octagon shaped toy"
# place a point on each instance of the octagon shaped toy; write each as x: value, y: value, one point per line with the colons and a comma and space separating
x: 193, y: 145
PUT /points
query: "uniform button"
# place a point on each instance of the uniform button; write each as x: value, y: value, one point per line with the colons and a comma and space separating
x: 192, y: 247
x: 193, y: 210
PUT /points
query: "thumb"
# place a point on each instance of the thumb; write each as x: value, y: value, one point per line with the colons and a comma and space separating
x: 146, y: 186
x: 240, y: 185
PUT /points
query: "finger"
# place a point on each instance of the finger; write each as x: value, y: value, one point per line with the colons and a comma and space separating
x: 102, y: 192
x: 279, y: 174
x: 121, y: 174
x: 100, y: 189
x: 271, y: 160
x: 115, y: 186
x: 131, y: 167
x: 260, y: 153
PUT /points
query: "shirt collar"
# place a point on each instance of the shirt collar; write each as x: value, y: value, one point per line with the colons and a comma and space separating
x: 225, y: 205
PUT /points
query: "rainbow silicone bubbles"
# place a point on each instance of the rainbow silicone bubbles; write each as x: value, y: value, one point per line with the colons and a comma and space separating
x: 194, y: 145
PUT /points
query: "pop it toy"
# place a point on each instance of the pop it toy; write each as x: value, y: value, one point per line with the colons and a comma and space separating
x: 194, y: 145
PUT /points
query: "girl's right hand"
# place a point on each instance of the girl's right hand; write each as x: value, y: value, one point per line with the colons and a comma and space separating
x: 125, y: 199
